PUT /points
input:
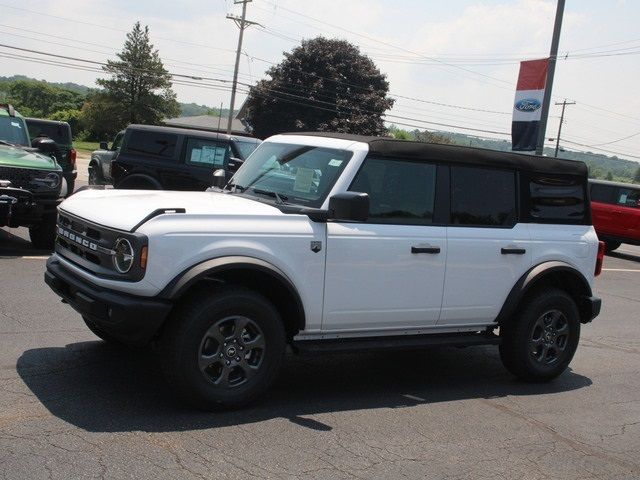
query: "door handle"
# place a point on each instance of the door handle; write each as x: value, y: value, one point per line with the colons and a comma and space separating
x: 425, y: 250
x: 513, y: 251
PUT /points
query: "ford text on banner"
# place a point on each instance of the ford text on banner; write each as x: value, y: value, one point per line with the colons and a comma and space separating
x: 528, y: 103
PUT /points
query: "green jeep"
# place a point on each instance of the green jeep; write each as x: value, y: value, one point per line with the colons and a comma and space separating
x: 30, y: 181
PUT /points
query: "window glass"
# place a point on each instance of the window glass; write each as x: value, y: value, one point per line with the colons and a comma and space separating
x: 603, y: 193
x: 60, y: 134
x: 400, y: 192
x: 557, y: 198
x: 299, y: 174
x: 12, y: 130
x: 628, y: 197
x: 246, y: 148
x: 483, y: 197
x: 117, y: 141
x: 157, y: 144
x: 206, y: 153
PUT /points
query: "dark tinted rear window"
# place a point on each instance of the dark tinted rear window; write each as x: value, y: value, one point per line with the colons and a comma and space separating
x: 603, y: 193
x: 157, y: 144
x: 557, y: 199
x: 59, y: 133
x: 483, y: 197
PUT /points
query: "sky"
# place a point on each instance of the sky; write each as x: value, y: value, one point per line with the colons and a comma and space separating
x: 451, y: 65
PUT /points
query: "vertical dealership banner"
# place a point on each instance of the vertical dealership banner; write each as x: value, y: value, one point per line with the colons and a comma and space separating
x: 527, y: 105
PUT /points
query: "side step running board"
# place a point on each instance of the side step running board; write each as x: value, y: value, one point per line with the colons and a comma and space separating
x: 409, y: 342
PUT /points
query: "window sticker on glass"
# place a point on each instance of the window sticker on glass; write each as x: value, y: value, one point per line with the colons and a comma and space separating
x: 16, y: 124
x: 195, y: 155
x: 304, y: 180
x: 212, y: 155
x: 335, y: 163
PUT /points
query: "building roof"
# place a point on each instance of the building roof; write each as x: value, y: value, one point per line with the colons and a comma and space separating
x: 390, y: 147
x: 208, y: 122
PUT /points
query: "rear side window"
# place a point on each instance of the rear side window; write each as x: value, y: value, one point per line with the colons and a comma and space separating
x: 157, y: 144
x: 206, y: 153
x: 603, y: 193
x: 400, y: 192
x: 628, y: 197
x: 483, y: 197
x: 557, y: 199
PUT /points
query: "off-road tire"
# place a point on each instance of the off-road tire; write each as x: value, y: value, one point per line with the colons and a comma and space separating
x: 43, y: 235
x: 184, y: 338
x: 517, y: 352
x: 95, y: 174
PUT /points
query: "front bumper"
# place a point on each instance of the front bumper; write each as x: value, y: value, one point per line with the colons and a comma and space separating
x: 589, y: 308
x: 131, y: 319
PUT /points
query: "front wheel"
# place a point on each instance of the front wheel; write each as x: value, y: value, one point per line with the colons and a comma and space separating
x: 222, y: 349
x: 539, y: 342
x: 43, y: 235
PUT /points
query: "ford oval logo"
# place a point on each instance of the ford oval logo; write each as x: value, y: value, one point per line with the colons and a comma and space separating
x: 527, y: 105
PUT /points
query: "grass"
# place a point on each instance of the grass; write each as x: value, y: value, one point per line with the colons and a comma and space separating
x: 86, y: 147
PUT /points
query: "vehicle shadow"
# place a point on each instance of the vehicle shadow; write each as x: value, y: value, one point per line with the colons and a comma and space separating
x: 13, y: 246
x: 101, y: 388
x: 624, y: 256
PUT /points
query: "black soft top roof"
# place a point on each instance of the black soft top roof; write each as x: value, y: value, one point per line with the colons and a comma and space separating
x: 389, y: 147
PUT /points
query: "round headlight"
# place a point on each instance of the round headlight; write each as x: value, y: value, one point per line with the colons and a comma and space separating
x: 52, y: 180
x: 123, y: 255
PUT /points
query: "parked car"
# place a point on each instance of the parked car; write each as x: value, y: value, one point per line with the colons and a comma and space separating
x: 165, y: 158
x: 100, y: 163
x: 616, y: 212
x: 394, y: 247
x: 30, y: 180
x: 59, y: 132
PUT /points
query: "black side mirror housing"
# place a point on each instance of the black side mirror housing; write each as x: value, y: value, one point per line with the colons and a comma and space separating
x: 234, y: 164
x: 104, y: 146
x: 349, y: 206
x: 45, y: 145
x: 219, y: 178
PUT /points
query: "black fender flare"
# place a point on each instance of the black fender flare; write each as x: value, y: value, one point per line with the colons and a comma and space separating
x: 210, y: 268
x: 580, y: 288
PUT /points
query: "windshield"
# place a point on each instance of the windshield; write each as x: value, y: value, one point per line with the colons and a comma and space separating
x: 58, y: 132
x: 12, y: 130
x: 296, y: 173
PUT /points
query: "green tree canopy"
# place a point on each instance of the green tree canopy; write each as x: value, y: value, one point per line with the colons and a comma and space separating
x: 139, y: 84
x: 636, y: 177
x: 38, y: 99
x: 325, y: 85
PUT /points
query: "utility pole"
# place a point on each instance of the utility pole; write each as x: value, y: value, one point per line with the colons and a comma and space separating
x: 544, y: 113
x: 242, y: 23
x: 564, y: 105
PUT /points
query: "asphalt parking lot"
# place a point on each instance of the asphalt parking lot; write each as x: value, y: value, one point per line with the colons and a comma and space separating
x: 73, y: 407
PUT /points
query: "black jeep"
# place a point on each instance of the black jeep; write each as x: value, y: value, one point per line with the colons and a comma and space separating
x: 165, y: 158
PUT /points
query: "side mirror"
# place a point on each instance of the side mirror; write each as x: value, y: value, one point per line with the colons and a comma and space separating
x: 219, y: 178
x: 104, y: 146
x: 46, y: 146
x: 234, y: 164
x: 350, y: 206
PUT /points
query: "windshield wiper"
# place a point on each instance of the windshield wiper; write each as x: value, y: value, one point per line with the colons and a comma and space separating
x: 280, y: 199
x: 233, y: 187
x: 4, y: 142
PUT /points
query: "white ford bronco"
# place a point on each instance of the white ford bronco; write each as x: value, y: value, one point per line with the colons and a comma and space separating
x: 328, y: 243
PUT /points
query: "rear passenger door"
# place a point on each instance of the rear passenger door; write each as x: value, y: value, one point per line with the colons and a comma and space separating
x: 628, y: 200
x: 487, y: 249
x: 387, y: 273
x: 201, y: 158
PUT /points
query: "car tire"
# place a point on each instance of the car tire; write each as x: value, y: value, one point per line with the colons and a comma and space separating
x: 95, y: 175
x: 222, y: 350
x: 611, y: 245
x: 539, y: 342
x: 43, y: 235
x: 98, y: 332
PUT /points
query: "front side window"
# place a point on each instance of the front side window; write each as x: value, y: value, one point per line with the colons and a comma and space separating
x: 156, y: 144
x: 628, y: 197
x: 117, y: 142
x: 299, y: 174
x: 400, y: 191
x: 603, y: 193
x: 206, y: 153
x: 483, y: 197
x: 557, y: 198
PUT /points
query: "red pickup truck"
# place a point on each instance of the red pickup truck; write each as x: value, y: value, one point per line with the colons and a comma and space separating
x: 615, y: 208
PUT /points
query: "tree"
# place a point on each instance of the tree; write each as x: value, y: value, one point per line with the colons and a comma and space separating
x: 101, y: 117
x: 609, y: 176
x: 39, y: 99
x: 71, y: 116
x: 636, y: 177
x: 139, y: 84
x: 324, y: 85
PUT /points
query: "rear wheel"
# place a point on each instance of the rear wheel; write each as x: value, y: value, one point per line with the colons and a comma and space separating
x: 223, y: 349
x: 539, y: 343
x: 611, y: 245
x: 43, y: 235
x: 95, y: 176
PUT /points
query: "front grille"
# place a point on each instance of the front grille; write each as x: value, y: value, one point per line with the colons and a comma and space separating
x: 26, y: 178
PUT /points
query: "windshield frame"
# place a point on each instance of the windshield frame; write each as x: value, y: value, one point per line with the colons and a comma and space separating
x: 261, y: 192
